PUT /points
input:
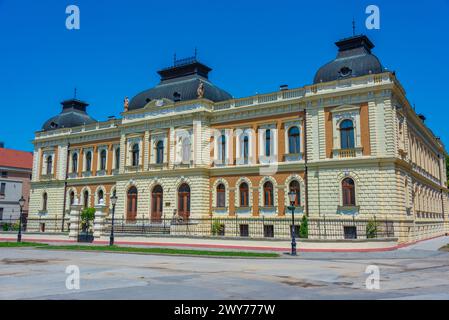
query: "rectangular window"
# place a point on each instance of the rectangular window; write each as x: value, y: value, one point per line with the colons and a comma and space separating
x: 244, y: 230
x: 268, y: 231
x: 350, y: 233
x: 2, y: 189
x: 4, y: 174
x: 1, y: 213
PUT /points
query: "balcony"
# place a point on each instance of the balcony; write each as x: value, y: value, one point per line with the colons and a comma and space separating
x: 292, y: 157
x: 133, y: 168
x: 87, y: 174
x: 47, y: 177
x: 158, y: 166
x: 347, y: 153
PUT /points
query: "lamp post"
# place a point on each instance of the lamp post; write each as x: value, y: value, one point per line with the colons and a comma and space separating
x: 292, y: 198
x: 113, y: 201
x: 21, y: 204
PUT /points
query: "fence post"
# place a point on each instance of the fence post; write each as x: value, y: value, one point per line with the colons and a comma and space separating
x: 74, y: 220
x: 375, y: 227
x: 236, y: 226
x: 263, y: 226
x: 325, y: 231
x: 100, y: 213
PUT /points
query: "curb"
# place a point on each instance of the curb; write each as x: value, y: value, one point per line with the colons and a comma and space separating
x: 234, y: 247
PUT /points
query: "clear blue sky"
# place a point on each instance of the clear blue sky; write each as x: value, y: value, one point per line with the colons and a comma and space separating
x: 253, y: 46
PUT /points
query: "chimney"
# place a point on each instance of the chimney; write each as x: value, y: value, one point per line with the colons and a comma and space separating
x: 2, y: 144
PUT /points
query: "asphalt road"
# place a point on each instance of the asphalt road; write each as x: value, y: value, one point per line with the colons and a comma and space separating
x: 416, y: 272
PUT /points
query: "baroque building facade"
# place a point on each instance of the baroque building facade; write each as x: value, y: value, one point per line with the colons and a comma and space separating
x: 349, y: 145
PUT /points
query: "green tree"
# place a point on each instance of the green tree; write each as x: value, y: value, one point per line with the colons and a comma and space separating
x: 87, y: 216
x: 217, y: 228
x: 371, y: 229
x: 304, y: 229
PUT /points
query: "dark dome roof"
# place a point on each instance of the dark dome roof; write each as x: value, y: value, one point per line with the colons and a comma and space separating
x: 354, y: 59
x: 180, y: 83
x: 73, y: 114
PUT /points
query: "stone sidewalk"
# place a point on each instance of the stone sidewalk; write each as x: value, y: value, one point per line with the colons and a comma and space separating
x: 224, y: 244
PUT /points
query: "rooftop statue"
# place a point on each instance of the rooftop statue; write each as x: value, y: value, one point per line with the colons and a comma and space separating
x: 126, y: 104
x: 200, y: 91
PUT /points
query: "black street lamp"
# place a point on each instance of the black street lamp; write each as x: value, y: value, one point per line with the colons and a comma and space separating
x: 292, y: 198
x: 113, y: 201
x: 21, y: 204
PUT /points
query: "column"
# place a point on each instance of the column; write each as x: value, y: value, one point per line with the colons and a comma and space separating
x: 99, y: 221
x: 75, y: 211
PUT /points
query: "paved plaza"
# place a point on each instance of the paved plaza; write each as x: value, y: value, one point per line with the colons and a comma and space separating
x: 415, y: 272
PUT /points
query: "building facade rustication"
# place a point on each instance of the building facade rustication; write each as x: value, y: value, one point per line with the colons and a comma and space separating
x: 366, y: 151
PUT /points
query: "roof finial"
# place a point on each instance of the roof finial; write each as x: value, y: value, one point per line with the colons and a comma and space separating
x: 353, y: 27
x: 196, y: 52
x: 174, y: 59
x: 74, y: 94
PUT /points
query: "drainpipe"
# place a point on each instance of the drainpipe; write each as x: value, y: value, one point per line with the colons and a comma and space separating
x: 65, y: 186
x: 306, y: 196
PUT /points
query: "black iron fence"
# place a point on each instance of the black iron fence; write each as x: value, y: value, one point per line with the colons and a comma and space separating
x: 43, y: 225
x: 258, y: 228
x: 324, y: 228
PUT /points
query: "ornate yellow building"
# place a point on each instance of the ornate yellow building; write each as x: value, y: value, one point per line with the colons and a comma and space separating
x: 349, y: 145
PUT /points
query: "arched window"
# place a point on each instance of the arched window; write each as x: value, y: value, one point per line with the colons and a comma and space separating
x: 44, y: 201
x: 88, y: 161
x: 75, y: 162
x: 268, y: 143
x: 348, y: 190
x: 49, y: 164
x: 100, y: 195
x: 294, y: 187
x: 72, y: 198
x: 131, y: 212
x: 245, y: 149
x: 221, y: 196
x: 244, y: 194
x: 160, y: 152
x: 222, y: 149
x: 184, y: 201
x: 135, y: 155
x: 117, y: 158
x: 186, y: 150
x: 156, y: 204
x: 103, y: 160
x: 347, y: 134
x: 268, y: 194
x: 293, y: 140
x: 86, y: 199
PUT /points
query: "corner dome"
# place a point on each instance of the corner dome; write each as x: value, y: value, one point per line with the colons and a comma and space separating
x: 354, y: 59
x: 180, y: 83
x: 73, y: 114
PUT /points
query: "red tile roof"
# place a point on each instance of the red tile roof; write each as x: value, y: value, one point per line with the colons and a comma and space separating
x: 16, y: 159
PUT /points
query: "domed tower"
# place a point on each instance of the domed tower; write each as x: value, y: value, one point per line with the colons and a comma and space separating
x: 354, y: 59
x: 73, y: 114
x: 180, y: 83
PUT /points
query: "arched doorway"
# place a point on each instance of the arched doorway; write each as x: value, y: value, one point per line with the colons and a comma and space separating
x: 156, y: 204
x: 184, y: 201
x: 131, y: 210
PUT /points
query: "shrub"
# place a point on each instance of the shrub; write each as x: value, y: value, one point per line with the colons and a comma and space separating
x: 217, y: 228
x: 304, y: 229
x: 87, y: 215
x: 371, y: 229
